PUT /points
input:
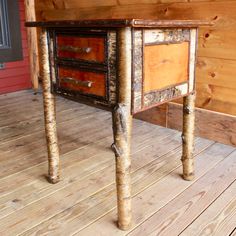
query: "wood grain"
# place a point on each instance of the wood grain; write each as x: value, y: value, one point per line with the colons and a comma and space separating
x: 220, y: 126
x: 122, y: 125
x: 216, y: 44
x: 95, y: 47
x: 84, y: 202
x: 78, y: 218
x: 30, y: 15
x: 158, y: 194
x: 49, y: 113
x: 212, y: 125
x: 98, y: 81
x: 177, y: 214
x: 218, y: 219
x: 165, y: 65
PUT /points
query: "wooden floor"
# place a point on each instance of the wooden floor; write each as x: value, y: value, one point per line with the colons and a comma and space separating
x: 84, y: 202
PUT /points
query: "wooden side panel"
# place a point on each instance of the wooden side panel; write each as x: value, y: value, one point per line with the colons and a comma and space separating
x: 165, y: 65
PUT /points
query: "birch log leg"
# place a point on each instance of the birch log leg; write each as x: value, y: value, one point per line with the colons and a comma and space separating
x: 188, y: 136
x: 122, y: 122
x: 49, y: 114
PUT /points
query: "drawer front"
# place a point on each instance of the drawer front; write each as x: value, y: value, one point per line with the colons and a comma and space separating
x: 81, y: 81
x: 82, y: 47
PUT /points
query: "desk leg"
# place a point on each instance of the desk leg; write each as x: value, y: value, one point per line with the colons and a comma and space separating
x: 49, y: 113
x: 188, y: 136
x: 122, y: 120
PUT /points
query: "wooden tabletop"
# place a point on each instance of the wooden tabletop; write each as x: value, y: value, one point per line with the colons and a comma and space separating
x: 117, y: 23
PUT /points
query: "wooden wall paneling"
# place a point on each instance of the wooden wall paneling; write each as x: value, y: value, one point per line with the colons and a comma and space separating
x: 32, y: 43
x: 156, y: 115
x: 216, y: 84
x: 216, y: 98
x: 209, y: 124
x: 215, y: 71
x: 217, y: 42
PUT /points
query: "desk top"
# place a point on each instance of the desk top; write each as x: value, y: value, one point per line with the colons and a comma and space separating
x: 118, y: 23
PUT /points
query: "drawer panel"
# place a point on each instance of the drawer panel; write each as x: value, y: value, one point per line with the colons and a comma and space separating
x: 81, y: 47
x: 84, y: 82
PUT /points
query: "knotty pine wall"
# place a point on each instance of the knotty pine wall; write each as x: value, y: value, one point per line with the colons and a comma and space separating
x: 216, y: 66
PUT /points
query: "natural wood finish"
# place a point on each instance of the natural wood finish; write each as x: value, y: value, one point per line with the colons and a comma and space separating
x: 218, y: 219
x: 97, y: 81
x: 156, y: 196
x: 91, y: 48
x: 122, y: 22
x: 220, y: 127
x: 158, y: 59
x: 122, y: 120
x: 180, y: 212
x: 155, y: 115
x: 217, y: 48
x: 188, y: 136
x: 30, y: 15
x: 49, y: 113
x: 84, y: 203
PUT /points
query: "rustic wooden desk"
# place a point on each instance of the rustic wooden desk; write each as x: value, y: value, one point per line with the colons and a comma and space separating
x: 125, y: 66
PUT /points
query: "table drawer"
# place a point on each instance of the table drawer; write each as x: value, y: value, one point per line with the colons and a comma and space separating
x: 82, y: 81
x: 81, y: 47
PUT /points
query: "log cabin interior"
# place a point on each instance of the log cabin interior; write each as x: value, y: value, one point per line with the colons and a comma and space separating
x: 94, y: 191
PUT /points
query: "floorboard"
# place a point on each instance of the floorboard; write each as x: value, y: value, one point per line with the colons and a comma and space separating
x: 84, y: 201
x: 219, y: 218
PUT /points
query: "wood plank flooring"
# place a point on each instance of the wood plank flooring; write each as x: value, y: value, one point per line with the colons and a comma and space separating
x: 84, y: 202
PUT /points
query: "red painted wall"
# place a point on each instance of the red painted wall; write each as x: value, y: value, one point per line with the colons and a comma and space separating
x: 16, y: 75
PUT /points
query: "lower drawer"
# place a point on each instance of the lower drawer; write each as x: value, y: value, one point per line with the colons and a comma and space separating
x: 82, y: 81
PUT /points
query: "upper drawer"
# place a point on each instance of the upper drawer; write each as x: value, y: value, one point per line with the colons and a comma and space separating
x: 81, y: 47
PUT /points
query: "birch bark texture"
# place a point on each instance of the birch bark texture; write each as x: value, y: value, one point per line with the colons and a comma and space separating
x: 122, y: 122
x: 49, y: 113
x: 188, y: 136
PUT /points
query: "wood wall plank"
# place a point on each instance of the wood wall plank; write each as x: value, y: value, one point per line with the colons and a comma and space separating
x: 209, y: 124
x: 156, y: 115
x: 215, y: 71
